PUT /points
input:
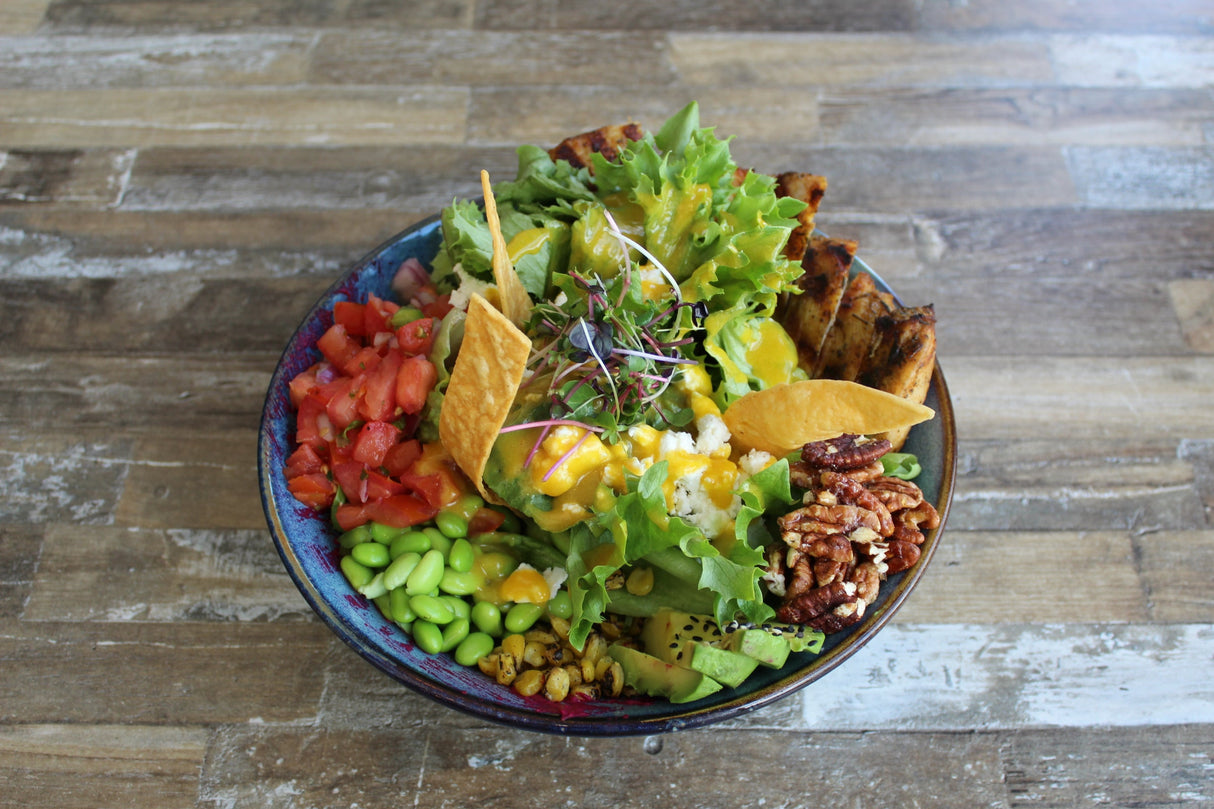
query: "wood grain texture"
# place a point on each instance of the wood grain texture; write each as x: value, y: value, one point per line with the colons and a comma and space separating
x: 179, y: 182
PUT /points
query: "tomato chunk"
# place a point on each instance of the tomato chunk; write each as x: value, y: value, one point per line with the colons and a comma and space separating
x: 350, y: 315
x: 378, y: 402
x: 303, y: 461
x: 373, y: 441
x: 417, y: 337
x: 314, y: 490
x: 413, y: 383
x: 337, y: 346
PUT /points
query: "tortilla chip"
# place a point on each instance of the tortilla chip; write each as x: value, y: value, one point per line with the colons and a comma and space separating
x: 516, y: 303
x: 783, y: 418
x: 486, y: 377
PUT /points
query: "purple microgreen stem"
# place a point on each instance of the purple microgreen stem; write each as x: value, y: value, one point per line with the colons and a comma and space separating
x: 655, y: 357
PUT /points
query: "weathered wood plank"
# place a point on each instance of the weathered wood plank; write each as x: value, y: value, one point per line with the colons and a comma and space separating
x: 72, y: 177
x: 395, y: 58
x: 858, y: 60
x: 961, y: 676
x: 1133, y: 61
x: 59, y: 478
x: 87, y: 766
x: 219, y: 15
x: 1193, y: 301
x: 18, y: 17
x: 1143, y: 177
x: 178, y: 673
x: 20, y: 546
x: 495, y: 767
x: 227, y: 117
x: 1176, y: 572
x: 90, y: 61
x: 418, y: 180
x: 171, y: 575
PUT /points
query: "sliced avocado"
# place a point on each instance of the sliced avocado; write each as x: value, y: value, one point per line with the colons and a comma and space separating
x: 769, y: 649
x: 649, y: 675
x: 667, y: 632
x: 725, y: 666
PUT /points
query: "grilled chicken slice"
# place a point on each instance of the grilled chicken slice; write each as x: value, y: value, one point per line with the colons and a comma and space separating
x: 902, y: 357
x: 606, y: 140
x: 851, y: 338
x: 808, y: 317
x: 809, y: 188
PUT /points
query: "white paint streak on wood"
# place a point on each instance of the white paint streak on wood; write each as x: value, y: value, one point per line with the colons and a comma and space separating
x: 952, y: 676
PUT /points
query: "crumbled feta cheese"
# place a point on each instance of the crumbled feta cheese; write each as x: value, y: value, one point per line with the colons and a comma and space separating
x: 675, y: 441
x: 713, y: 435
x: 695, y: 505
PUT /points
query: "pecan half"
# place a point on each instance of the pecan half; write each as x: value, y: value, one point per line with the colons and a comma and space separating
x: 843, y: 453
x: 818, y: 607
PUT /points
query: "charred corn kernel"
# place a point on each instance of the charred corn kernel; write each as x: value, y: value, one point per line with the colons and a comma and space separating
x: 559, y: 626
x: 541, y: 636
x: 610, y: 630
x: 640, y: 581
x: 533, y: 654
x: 513, y: 646
x: 589, y: 671
x: 529, y: 682
x: 488, y: 665
x: 575, y: 674
x: 601, y: 667
x: 612, y: 681
x: 595, y: 648
x: 556, y: 685
x: 555, y: 654
x: 586, y: 691
x: 506, y: 670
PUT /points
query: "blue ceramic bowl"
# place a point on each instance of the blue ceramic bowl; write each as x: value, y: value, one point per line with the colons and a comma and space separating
x: 306, y: 544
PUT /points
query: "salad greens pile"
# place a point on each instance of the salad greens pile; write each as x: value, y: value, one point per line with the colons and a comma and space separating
x: 591, y: 245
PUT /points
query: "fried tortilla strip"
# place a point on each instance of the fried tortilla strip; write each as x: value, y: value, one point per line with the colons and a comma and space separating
x: 516, y: 303
x: 808, y: 317
x: 488, y: 372
x: 606, y: 140
x: 852, y: 335
x: 902, y: 358
x: 809, y: 188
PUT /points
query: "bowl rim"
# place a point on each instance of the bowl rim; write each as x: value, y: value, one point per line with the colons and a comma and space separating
x: 575, y: 723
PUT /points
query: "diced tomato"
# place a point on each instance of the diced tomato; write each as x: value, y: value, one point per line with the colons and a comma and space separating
x: 350, y: 314
x: 376, y: 315
x: 302, y: 384
x: 378, y: 402
x: 303, y: 461
x: 314, y: 489
x: 399, y: 458
x: 337, y: 346
x: 373, y: 441
x: 439, y: 307
x: 365, y: 361
x: 312, y: 426
x: 417, y: 337
x: 399, y: 511
x: 484, y: 521
x: 342, y: 404
x: 413, y: 383
x: 427, y: 487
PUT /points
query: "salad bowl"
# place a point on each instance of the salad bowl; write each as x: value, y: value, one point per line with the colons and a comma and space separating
x: 305, y: 541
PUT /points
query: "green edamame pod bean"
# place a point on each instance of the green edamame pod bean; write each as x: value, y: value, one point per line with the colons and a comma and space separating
x: 398, y: 603
x: 521, y: 616
x: 358, y: 575
x: 398, y: 572
x: 459, y: 584
x: 468, y: 505
x: 561, y: 606
x: 384, y: 606
x: 355, y: 536
x: 459, y: 606
x: 431, y: 609
x: 488, y: 618
x: 462, y: 556
x: 428, y: 637
x: 473, y: 648
x: 409, y: 542
x: 454, y: 633
x: 438, y: 540
x: 428, y: 573
x: 374, y: 588
x: 383, y: 534
x: 452, y: 524
x: 371, y: 554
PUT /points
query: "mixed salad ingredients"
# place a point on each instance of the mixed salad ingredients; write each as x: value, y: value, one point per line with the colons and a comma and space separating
x: 634, y: 429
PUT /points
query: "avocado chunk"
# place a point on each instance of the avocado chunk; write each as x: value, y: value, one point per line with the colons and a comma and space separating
x: 770, y: 650
x: 724, y: 666
x: 666, y: 633
x: 649, y: 675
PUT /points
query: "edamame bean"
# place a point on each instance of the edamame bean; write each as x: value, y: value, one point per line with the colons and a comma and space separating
x: 459, y: 606
x: 384, y: 605
x: 398, y: 572
x: 405, y: 314
x: 428, y: 637
x: 358, y: 575
x: 371, y: 554
x: 454, y: 633
x: 374, y: 588
x: 409, y: 542
x: 462, y: 556
x: 560, y: 605
x: 383, y: 534
x: 438, y: 540
x: 459, y: 584
x: 473, y: 648
x: 488, y: 618
x: 431, y: 609
x: 521, y: 616
x: 355, y: 536
x: 428, y: 573
x: 451, y: 523
x: 399, y: 609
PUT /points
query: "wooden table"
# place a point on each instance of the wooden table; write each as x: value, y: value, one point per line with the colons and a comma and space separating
x: 180, y: 181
